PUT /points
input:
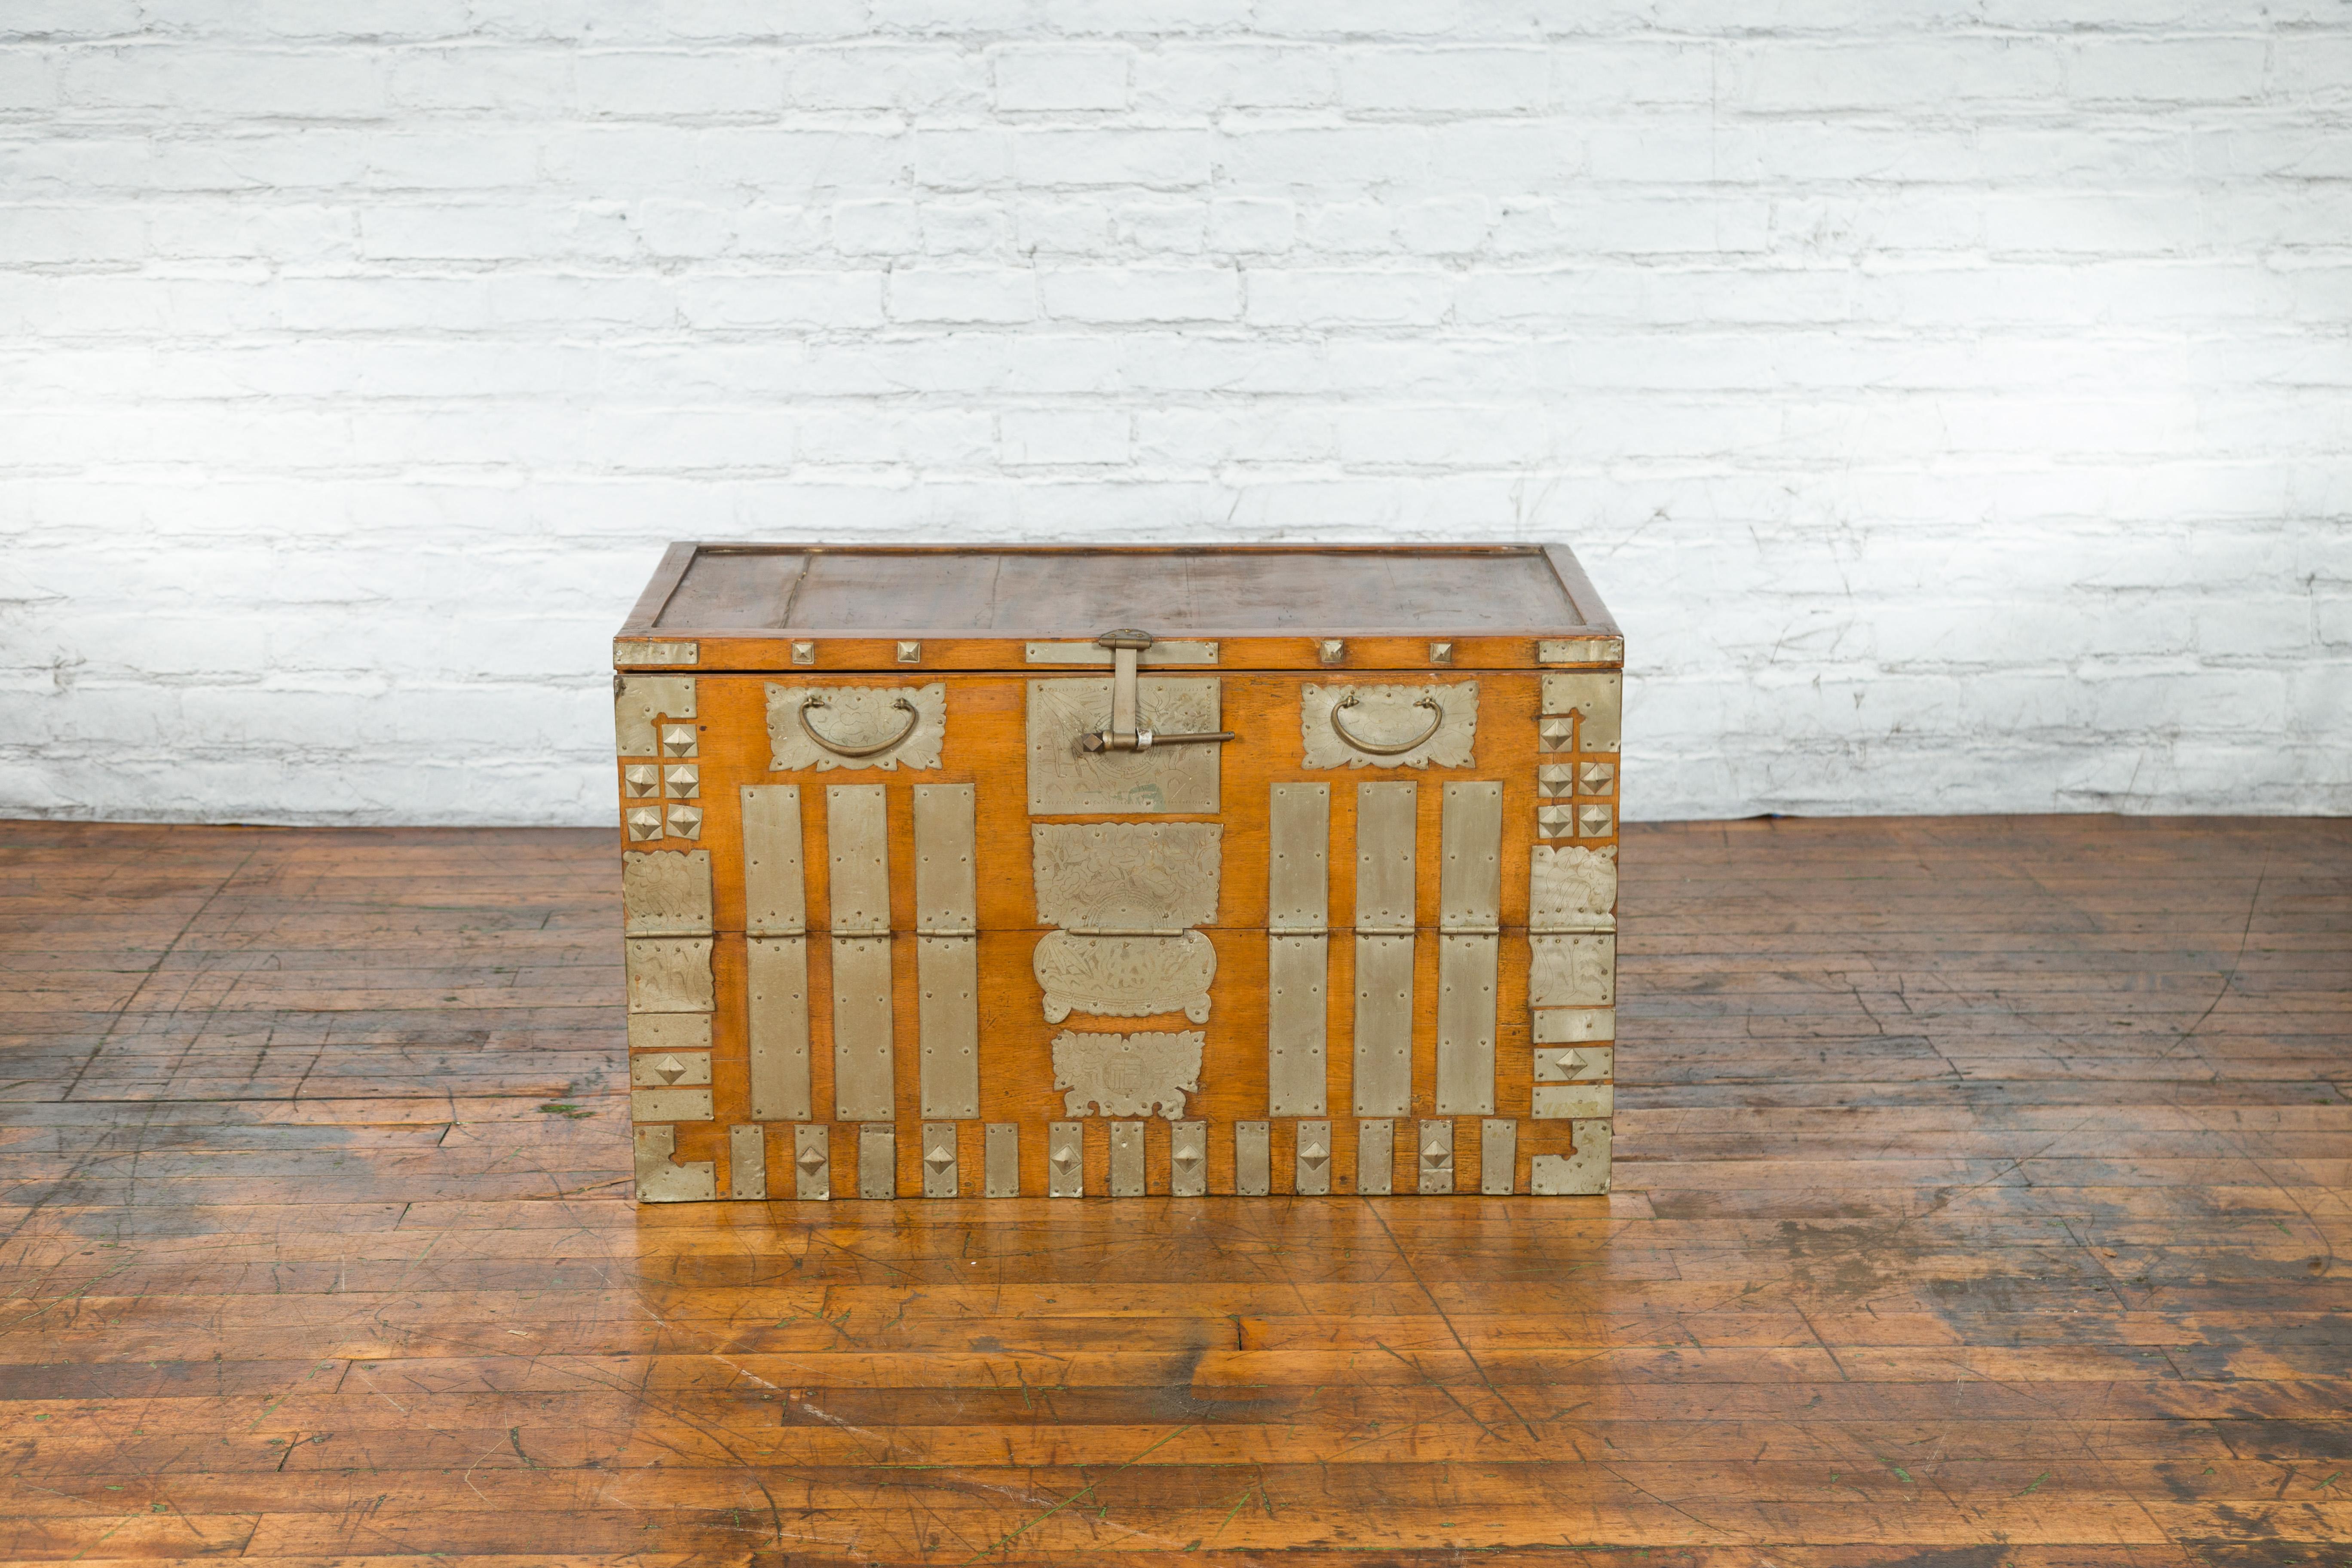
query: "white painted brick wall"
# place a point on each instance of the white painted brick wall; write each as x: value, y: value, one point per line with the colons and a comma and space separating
x: 1952, y: 399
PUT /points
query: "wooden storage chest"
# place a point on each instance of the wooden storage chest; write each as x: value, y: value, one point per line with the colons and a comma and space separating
x: 1002, y: 872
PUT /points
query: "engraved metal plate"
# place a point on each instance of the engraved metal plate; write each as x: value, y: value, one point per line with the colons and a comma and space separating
x: 858, y: 841
x: 638, y: 701
x: 1064, y: 779
x: 851, y: 719
x: 813, y: 1161
x: 947, y: 1023
x: 1095, y: 653
x: 862, y: 1088
x: 1126, y: 1159
x: 1188, y: 1159
x: 877, y: 1161
x: 1312, y: 1159
x: 1125, y: 976
x: 778, y: 982
x: 670, y: 1105
x: 1596, y: 698
x: 669, y: 1070
x: 939, y: 1159
x: 1585, y: 1171
x: 1001, y: 1165
x: 1434, y: 1157
x: 1375, y: 1157
x: 1114, y: 878
x: 1564, y: 1026
x: 747, y: 1160
x: 1573, y: 1102
x: 1145, y: 1073
x: 1580, y: 650
x: 669, y: 974
x: 1572, y: 972
x: 662, y: 1180
x: 1571, y: 888
x: 1465, y: 1025
x: 1065, y: 1159
x: 775, y: 895
x: 666, y: 892
x: 1470, y: 854
x: 1385, y: 821
x: 947, y: 895
x: 1298, y: 866
x: 627, y: 651
x: 1575, y: 1064
x: 1383, y: 1062
x: 1383, y: 716
x: 1295, y: 1032
x: 1253, y: 1158
x: 670, y: 1031
x: 1498, y: 1157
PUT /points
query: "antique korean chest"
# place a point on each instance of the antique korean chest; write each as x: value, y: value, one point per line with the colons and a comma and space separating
x: 1115, y: 872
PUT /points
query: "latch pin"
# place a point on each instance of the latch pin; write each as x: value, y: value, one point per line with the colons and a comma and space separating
x: 1126, y: 731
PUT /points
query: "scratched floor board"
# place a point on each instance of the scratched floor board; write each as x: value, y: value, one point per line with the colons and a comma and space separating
x: 1981, y: 1200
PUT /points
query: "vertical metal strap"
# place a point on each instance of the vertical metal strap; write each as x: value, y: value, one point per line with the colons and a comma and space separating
x: 1298, y: 819
x: 1126, y: 1159
x: 1001, y: 1166
x: 877, y: 1161
x: 857, y: 842
x: 1188, y: 1159
x: 862, y: 1056
x: 1469, y: 902
x: 775, y: 891
x: 747, y: 1159
x: 939, y: 1159
x: 1311, y: 1174
x: 777, y: 977
x: 946, y: 959
x: 1385, y: 821
x: 813, y: 1161
x: 1375, y: 1157
x: 1498, y: 1156
x: 1253, y: 1158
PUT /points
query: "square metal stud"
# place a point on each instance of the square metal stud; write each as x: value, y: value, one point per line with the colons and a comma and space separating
x: 1555, y: 733
x: 1001, y: 1172
x: 682, y: 781
x: 813, y: 1161
x: 1436, y: 1161
x: 877, y: 1161
x: 1375, y: 1157
x: 1555, y: 822
x: 1331, y: 650
x: 639, y: 780
x: 1498, y: 1156
x: 1441, y: 653
x: 1595, y: 778
x: 803, y: 653
x: 1595, y: 821
x: 1554, y: 781
x: 1313, y: 1177
x: 644, y: 822
x: 1126, y: 1159
x: 677, y: 739
x: 939, y: 1159
x: 1065, y: 1159
x: 910, y: 653
x: 1188, y: 1159
x: 685, y: 822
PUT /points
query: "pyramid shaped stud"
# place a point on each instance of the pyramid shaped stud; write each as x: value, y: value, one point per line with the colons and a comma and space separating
x: 1186, y: 1160
x: 1594, y: 821
x: 645, y: 822
x: 1314, y: 1154
x: 639, y: 780
x: 686, y: 821
x: 1555, y: 822
x: 1063, y: 1158
x: 670, y: 1069
x: 1553, y: 734
x: 1553, y: 780
x: 682, y: 781
x: 939, y: 1157
x: 677, y: 739
x: 1436, y: 1155
x: 810, y: 1160
x: 1594, y: 778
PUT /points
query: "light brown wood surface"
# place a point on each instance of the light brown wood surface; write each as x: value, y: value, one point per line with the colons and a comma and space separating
x: 1983, y: 1200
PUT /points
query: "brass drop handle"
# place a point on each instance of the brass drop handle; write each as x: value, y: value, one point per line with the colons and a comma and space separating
x: 1436, y: 720
x: 837, y: 749
x: 1124, y: 733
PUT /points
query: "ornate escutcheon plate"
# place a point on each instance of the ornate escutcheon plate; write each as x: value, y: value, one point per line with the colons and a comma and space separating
x: 1127, y: 1075
x: 1382, y: 716
x: 855, y: 717
x: 1126, y: 976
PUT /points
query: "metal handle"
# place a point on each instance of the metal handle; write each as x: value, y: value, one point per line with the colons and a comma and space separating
x: 1125, y: 733
x: 1436, y: 720
x: 837, y: 749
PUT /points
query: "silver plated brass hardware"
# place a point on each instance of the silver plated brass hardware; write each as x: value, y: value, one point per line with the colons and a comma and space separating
x: 1298, y: 878
x: 640, y: 780
x: 638, y: 701
x: 855, y: 727
x: 747, y: 1160
x: 684, y: 821
x: 1126, y: 878
x: 947, y: 895
x: 1572, y: 972
x: 1065, y: 779
x: 877, y: 1161
x: 910, y: 653
x: 666, y: 892
x: 803, y: 653
x: 632, y: 652
x: 1126, y: 731
x: 857, y: 835
x: 670, y: 1105
x: 1126, y: 1159
x: 669, y: 974
x: 862, y: 1051
x: 1161, y: 652
x: 1584, y: 1172
x: 1001, y: 1165
x: 947, y: 1023
x: 1564, y: 1026
x: 1596, y: 698
x: 1375, y: 1157
x: 1573, y: 1102
x: 679, y: 740
x: 1385, y: 823
x: 1388, y: 726
x: 1470, y: 850
x: 843, y: 748
x: 682, y: 781
x: 813, y: 1161
x: 1125, y: 976
x: 1441, y: 653
x: 679, y: 1032
x: 1065, y: 1159
x: 1312, y: 1160
x: 775, y: 891
x: 1436, y: 1156
x: 1188, y: 1159
x: 1145, y: 1073
x: 669, y: 1070
x: 1253, y: 1158
x: 1465, y: 1025
x: 1331, y: 650
x: 1498, y: 1157
x: 777, y: 978
x: 1383, y: 1025
x: 1575, y: 1064
x: 661, y: 1179
x: 939, y: 1159
x: 645, y: 822
x: 1296, y: 967
x: 1580, y: 650
x: 1338, y: 717
x: 1571, y: 889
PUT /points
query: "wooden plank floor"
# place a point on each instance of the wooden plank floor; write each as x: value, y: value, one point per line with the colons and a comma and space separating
x: 1982, y: 1199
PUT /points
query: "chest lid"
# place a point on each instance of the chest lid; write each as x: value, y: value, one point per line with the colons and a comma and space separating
x: 774, y: 607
